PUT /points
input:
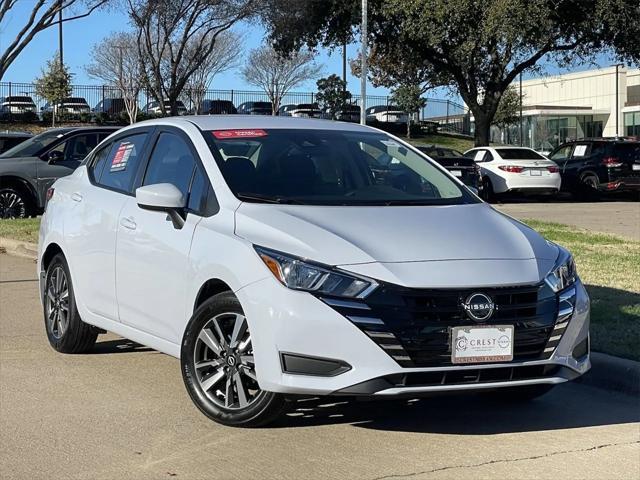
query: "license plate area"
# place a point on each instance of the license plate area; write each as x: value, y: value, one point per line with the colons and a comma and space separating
x: 535, y: 173
x: 482, y: 344
x: 456, y: 173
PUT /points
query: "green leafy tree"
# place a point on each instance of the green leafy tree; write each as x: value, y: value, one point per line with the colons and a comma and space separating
x: 479, y: 46
x: 508, y: 111
x: 54, y: 84
x: 409, y: 99
x: 332, y: 94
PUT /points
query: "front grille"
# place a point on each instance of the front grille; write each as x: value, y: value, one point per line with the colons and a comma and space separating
x: 413, y: 325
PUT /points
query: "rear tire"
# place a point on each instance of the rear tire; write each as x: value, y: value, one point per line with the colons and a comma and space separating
x: 488, y: 195
x: 66, y: 331
x: 588, y: 187
x: 218, y: 368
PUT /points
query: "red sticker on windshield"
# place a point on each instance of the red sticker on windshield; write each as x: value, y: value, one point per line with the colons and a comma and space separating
x: 223, y: 134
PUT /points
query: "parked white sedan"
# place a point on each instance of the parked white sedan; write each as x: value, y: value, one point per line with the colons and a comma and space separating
x: 515, y: 169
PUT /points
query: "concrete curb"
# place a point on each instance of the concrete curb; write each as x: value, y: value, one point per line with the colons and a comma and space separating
x: 613, y: 373
x: 19, y: 248
x: 607, y: 372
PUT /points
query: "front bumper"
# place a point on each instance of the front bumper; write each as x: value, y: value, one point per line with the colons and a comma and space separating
x: 287, y: 321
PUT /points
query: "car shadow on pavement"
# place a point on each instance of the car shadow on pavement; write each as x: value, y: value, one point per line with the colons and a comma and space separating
x: 567, y: 406
x: 120, y: 345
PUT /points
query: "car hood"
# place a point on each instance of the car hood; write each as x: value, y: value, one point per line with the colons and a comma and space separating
x: 389, y: 235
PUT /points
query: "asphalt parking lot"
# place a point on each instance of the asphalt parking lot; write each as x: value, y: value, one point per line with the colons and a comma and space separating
x: 123, y: 413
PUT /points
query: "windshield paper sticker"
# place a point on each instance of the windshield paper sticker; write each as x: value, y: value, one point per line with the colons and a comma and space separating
x: 252, y: 133
x: 121, y: 157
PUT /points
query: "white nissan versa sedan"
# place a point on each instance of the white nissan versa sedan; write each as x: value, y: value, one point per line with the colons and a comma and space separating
x: 279, y: 256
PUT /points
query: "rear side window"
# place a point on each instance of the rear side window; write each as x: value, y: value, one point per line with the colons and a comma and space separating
x: 122, y: 163
x: 562, y: 153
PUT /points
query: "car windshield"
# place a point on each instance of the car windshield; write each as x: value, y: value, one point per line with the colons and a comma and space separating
x: 519, y: 154
x: 328, y: 167
x: 34, y: 145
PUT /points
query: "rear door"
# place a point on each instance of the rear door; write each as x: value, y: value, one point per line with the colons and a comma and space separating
x: 91, y: 230
x: 152, y: 256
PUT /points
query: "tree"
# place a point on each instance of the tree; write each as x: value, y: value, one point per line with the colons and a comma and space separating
x: 508, y: 111
x: 175, y: 37
x: 54, y: 84
x: 116, y: 61
x: 276, y: 74
x: 332, y: 95
x: 44, y: 14
x: 409, y: 99
x: 480, y: 46
x: 226, y: 55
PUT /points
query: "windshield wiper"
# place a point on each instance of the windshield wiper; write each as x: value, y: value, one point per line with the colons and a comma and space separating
x: 256, y: 197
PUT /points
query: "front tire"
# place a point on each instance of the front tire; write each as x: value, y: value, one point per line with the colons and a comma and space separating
x: 66, y: 331
x: 218, y: 367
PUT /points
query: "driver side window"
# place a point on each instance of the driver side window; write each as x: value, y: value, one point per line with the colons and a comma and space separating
x: 76, y: 148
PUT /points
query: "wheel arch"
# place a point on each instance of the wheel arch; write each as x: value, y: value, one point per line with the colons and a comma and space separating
x: 208, y: 289
x: 14, y: 181
x: 51, y: 251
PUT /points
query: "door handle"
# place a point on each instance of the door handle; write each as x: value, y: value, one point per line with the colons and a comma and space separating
x: 128, y: 222
x: 76, y: 197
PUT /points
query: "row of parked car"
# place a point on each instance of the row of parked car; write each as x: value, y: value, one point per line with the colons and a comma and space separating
x: 30, y: 164
x: 585, y: 168
x: 15, y: 106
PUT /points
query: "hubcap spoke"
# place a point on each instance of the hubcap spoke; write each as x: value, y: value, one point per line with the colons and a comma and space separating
x: 239, y: 329
x: 248, y: 372
x: 223, y: 340
x: 228, y: 395
x: 210, y: 363
x: 213, y: 379
x: 242, y: 394
x: 207, y: 337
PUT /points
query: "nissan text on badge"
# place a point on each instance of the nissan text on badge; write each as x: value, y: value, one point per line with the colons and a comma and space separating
x: 280, y: 256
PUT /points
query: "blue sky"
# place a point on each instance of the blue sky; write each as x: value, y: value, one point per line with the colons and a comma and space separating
x: 80, y: 35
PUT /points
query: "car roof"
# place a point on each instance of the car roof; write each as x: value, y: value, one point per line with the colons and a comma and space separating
x: 231, y: 122
x: 16, y: 134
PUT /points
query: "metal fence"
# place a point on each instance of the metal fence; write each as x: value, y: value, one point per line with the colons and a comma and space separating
x: 449, y: 115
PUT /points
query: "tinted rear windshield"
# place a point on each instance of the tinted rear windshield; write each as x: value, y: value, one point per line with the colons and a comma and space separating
x: 628, y: 151
x: 519, y: 154
x: 74, y: 100
x: 328, y: 167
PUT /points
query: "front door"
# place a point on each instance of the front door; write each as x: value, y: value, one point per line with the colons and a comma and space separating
x: 152, y: 256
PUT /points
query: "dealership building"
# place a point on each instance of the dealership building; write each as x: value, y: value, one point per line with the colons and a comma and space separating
x: 594, y: 103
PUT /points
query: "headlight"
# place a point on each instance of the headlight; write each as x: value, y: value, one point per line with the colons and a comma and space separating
x: 564, y: 272
x: 297, y: 274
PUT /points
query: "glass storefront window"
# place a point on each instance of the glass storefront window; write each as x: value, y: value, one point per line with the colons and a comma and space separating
x: 632, y: 124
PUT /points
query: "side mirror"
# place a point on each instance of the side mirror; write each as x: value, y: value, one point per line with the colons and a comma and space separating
x: 474, y: 190
x: 163, y: 197
x: 54, y: 156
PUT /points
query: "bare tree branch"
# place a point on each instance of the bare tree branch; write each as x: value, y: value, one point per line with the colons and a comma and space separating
x: 40, y: 18
x: 277, y: 74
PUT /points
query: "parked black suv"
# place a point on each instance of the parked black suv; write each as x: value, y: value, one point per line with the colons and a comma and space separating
x: 28, y: 169
x: 458, y: 165
x: 255, y: 108
x: 595, y: 165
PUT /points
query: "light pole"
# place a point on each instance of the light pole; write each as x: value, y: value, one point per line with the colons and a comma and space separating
x: 363, y: 67
x: 520, y: 101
